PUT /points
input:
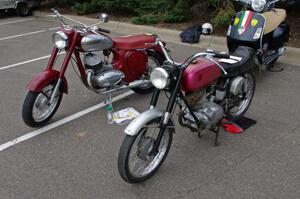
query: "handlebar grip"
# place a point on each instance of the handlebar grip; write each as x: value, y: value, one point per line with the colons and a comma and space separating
x: 222, y: 56
x: 103, y: 30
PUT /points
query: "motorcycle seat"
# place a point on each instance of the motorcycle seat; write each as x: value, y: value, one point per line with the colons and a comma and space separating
x: 245, y: 64
x: 131, y: 42
x: 273, y: 19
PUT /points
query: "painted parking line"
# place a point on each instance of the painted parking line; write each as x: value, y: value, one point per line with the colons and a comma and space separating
x: 26, y: 34
x: 59, y: 123
x: 16, y: 21
x: 26, y: 62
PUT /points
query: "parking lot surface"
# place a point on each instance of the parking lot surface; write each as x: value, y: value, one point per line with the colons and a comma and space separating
x: 78, y: 159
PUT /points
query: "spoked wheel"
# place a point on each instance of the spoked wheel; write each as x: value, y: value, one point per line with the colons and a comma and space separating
x: 37, y: 109
x: 248, y: 92
x: 136, y: 161
x: 154, y: 61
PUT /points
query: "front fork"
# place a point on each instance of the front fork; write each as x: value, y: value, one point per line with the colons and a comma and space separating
x: 168, y: 114
x: 64, y: 66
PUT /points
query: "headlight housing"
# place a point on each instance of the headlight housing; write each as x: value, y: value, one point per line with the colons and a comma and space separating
x: 160, y: 78
x: 60, y: 40
x: 258, y: 5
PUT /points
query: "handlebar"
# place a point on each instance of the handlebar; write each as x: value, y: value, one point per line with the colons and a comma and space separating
x: 88, y: 28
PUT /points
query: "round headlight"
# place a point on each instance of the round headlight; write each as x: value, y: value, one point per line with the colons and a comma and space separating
x: 160, y: 78
x: 60, y: 40
x: 258, y: 5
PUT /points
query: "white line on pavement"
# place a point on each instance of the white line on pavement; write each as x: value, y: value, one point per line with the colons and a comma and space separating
x: 59, y: 123
x: 26, y: 62
x: 25, y: 34
x: 22, y: 35
x: 16, y: 21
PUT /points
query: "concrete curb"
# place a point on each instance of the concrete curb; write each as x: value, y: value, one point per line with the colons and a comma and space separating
x: 213, y: 42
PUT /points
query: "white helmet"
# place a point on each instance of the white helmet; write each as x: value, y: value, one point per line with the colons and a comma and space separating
x: 207, y: 29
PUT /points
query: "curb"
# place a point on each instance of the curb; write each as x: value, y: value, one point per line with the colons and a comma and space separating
x: 213, y: 42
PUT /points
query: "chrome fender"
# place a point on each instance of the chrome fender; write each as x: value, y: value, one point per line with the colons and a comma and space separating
x: 137, y: 124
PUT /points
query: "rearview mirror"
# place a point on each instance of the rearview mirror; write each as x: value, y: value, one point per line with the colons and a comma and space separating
x: 104, y: 18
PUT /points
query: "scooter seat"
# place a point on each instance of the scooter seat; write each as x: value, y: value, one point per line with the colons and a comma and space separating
x: 134, y: 41
x: 273, y: 19
x: 245, y: 64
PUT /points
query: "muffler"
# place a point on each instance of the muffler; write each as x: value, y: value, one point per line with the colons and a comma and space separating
x: 134, y: 84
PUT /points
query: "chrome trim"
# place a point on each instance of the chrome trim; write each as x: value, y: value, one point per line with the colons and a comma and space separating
x: 167, y: 117
x: 55, y: 91
x: 138, y: 123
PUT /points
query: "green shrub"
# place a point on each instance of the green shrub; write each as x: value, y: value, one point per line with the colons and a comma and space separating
x: 153, y: 11
x: 174, y: 17
x: 85, y: 7
x: 223, y: 17
x: 150, y: 19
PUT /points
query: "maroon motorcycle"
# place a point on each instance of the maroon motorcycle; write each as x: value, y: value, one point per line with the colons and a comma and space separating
x: 207, y: 88
x: 133, y: 60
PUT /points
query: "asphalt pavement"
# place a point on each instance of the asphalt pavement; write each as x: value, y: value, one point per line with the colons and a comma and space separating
x: 78, y: 158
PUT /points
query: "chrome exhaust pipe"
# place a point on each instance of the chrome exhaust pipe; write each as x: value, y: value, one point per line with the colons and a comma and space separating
x: 281, y: 51
x: 134, y: 84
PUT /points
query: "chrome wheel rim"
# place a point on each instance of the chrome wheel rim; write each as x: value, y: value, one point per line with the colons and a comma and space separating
x: 141, y: 162
x: 248, y: 90
x: 42, y: 108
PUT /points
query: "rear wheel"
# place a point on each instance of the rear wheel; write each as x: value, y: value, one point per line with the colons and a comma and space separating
x: 37, y: 109
x: 23, y: 10
x: 154, y: 60
x: 248, y: 92
x: 136, y: 161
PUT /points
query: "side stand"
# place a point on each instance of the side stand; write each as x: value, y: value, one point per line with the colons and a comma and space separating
x: 109, y: 108
x: 216, y: 130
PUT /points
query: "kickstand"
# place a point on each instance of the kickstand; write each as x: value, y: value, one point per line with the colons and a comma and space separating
x: 216, y: 130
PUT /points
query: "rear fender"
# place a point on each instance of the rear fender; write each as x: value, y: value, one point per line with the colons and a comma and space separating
x: 43, y: 79
x: 137, y: 124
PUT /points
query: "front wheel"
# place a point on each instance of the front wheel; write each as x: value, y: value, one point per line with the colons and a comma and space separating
x: 154, y: 60
x: 136, y: 161
x: 37, y: 109
x: 247, y: 95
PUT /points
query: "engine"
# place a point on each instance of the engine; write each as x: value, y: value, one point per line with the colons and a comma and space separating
x: 206, y: 106
x: 207, y: 112
x: 100, y: 74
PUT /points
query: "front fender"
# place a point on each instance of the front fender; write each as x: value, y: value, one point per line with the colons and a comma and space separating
x: 137, y: 124
x: 38, y: 83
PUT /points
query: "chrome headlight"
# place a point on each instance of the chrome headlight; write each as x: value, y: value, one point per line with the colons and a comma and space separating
x: 258, y: 5
x: 60, y: 40
x: 160, y: 78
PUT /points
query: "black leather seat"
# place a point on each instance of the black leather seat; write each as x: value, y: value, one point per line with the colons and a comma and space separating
x: 246, y: 64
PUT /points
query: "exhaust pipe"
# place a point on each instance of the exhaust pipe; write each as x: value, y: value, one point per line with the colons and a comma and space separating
x: 134, y: 84
x: 281, y: 51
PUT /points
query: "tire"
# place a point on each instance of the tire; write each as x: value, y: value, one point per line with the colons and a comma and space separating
x: 158, y: 60
x: 30, y: 104
x: 242, y: 108
x: 124, y: 157
x: 23, y: 10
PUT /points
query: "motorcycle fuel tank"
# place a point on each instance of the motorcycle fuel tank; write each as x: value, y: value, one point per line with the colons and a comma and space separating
x: 94, y: 42
x: 199, y: 74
